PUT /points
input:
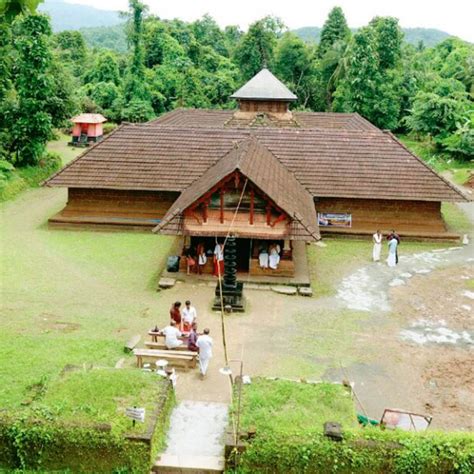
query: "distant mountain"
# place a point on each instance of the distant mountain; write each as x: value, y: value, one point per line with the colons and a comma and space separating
x: 429, y: 36
x: 71, y: 16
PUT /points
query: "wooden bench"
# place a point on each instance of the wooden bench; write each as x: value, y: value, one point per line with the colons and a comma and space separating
x: 184, y: 359
x: 155, y: 335
x: 162, y: 346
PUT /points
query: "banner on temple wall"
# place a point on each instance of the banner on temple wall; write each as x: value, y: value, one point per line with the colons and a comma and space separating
x: 326, y: 219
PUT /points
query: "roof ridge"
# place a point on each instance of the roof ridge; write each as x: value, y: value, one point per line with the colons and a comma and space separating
x: 85, y: 152
x: 451, y: 185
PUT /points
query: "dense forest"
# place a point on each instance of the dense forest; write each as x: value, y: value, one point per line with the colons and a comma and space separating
x: 46, y: 78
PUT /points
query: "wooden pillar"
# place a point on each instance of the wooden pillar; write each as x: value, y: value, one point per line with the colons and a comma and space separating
x: 222, y: 206
x: 268, y: 208
x: 204, y: 211
x: 286, y: 248
x: 252, y: 203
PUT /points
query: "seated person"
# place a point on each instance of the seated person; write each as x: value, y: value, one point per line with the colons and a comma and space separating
x: 172, y: 333
x: 263, y: 258
x: 192, y: 339
x: 274, y: 258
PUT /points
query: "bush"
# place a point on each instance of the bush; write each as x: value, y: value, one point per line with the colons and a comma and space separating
x: 109, y: 127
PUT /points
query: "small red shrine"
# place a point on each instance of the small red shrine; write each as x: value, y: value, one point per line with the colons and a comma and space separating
x: 87, y: 128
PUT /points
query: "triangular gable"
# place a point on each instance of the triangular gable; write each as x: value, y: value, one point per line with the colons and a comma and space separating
x: 256, y: 163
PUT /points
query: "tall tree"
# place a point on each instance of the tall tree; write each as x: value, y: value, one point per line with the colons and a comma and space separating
x: 257, y: 46
x: 388, y: 36
x: 136, y: 94
x: 35, y: 88
x: 334, y: 29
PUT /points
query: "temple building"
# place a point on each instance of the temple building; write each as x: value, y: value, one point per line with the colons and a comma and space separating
x: 271, y: 175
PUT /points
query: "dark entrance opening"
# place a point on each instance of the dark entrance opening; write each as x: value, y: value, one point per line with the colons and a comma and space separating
x: 243, y: 247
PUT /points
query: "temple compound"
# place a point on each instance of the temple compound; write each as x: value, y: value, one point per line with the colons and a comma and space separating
x: 277, y: 177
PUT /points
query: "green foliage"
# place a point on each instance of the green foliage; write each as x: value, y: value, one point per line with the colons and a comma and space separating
x: 256, y: 48
x: 371, y: 82
x: 334, y: 30
x: 288, y: 419
x: 12, y: 8
x: 66, y: 424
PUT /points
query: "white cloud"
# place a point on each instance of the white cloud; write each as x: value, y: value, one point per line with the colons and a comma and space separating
x: 454, y: 17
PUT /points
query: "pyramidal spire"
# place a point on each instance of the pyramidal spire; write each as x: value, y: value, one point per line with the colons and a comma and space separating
x: 264, y: 86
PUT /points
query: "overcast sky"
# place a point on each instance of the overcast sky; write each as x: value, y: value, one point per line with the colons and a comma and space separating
x: 453, y: 16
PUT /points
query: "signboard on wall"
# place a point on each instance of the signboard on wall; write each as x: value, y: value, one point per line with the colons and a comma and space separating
x: 326, y: 219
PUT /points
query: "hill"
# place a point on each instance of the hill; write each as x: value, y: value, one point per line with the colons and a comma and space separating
x: 71, y: 16
x: 429, y: 36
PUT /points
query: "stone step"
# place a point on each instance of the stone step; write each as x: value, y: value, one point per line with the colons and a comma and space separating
x: 189, y: 464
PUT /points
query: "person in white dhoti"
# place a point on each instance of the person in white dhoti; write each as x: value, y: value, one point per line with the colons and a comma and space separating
x: 172, y: 333
x: 204, y: 343
x: 377, y: 240
x: 274, y: 257
x: 263, y: 258
x: 392, y: 252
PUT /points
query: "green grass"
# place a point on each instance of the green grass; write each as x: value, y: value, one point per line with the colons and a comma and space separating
x: 328, y: 265
x: 285, y: 407
x: 70, y: 297
x: 101, y: 396
x: 60, y: 146
x: 440, y: 162
x: 456, y: 220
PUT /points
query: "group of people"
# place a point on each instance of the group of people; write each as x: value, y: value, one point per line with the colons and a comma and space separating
x: 269, y: 257
x: 183, y: 322
x: 196, y: 259
x: 393, y: 240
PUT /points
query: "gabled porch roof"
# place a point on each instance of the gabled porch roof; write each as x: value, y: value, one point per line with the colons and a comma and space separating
x: 256, y: 163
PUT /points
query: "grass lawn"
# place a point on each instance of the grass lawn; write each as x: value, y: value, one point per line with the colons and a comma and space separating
x: 60, y: 146
x: 283, y: 407
x: 455, y: 218
x: 70, y: 297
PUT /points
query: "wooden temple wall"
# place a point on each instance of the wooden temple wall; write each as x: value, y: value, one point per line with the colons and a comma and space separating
x: 278, y: 107
x: 423, y: 217
x: 119, y: 203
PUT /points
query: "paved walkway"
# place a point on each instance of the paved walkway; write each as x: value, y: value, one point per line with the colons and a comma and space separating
x: 195, y: 439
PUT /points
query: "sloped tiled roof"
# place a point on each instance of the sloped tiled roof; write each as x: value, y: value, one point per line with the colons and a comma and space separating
x: 256, y: 163
x: 359, y: 163
x: 264, y: 86
x: 203, y: 118
x: 89, y: 118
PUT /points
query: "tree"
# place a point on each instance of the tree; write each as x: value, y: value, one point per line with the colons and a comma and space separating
x: 105, y: 69
x: 9, y: 9
x: 438, y: 110
x: 257, y: 46
x: 294, y: 65
x: 135, y: 90
x: 335, y: 29
x: 388, y: 37
x: 207, y: 33
x: 35, y: 88
x: 461, y: 142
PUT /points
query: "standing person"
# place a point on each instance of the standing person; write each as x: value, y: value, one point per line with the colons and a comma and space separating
x: 189, y: 315
x: 190, y: 262
x: 201, y: 258
x: 172, y: 333
x: 192, y: 339
x: 274, y: 258
x: 175, y: 313
x: 204, y: 344
x: 394, y: 235
x: 392, y: 252
x: 218, y: 259
x: 377, y: 240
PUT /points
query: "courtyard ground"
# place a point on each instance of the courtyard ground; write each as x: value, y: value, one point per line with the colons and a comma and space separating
x: 75, y: 297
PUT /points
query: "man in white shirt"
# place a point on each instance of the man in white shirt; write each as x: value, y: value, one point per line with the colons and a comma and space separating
x: 189, y: 315
x: 204, y: 343
x: 172, y: 333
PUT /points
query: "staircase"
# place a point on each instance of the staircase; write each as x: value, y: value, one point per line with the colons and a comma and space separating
x: 195, y: 441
